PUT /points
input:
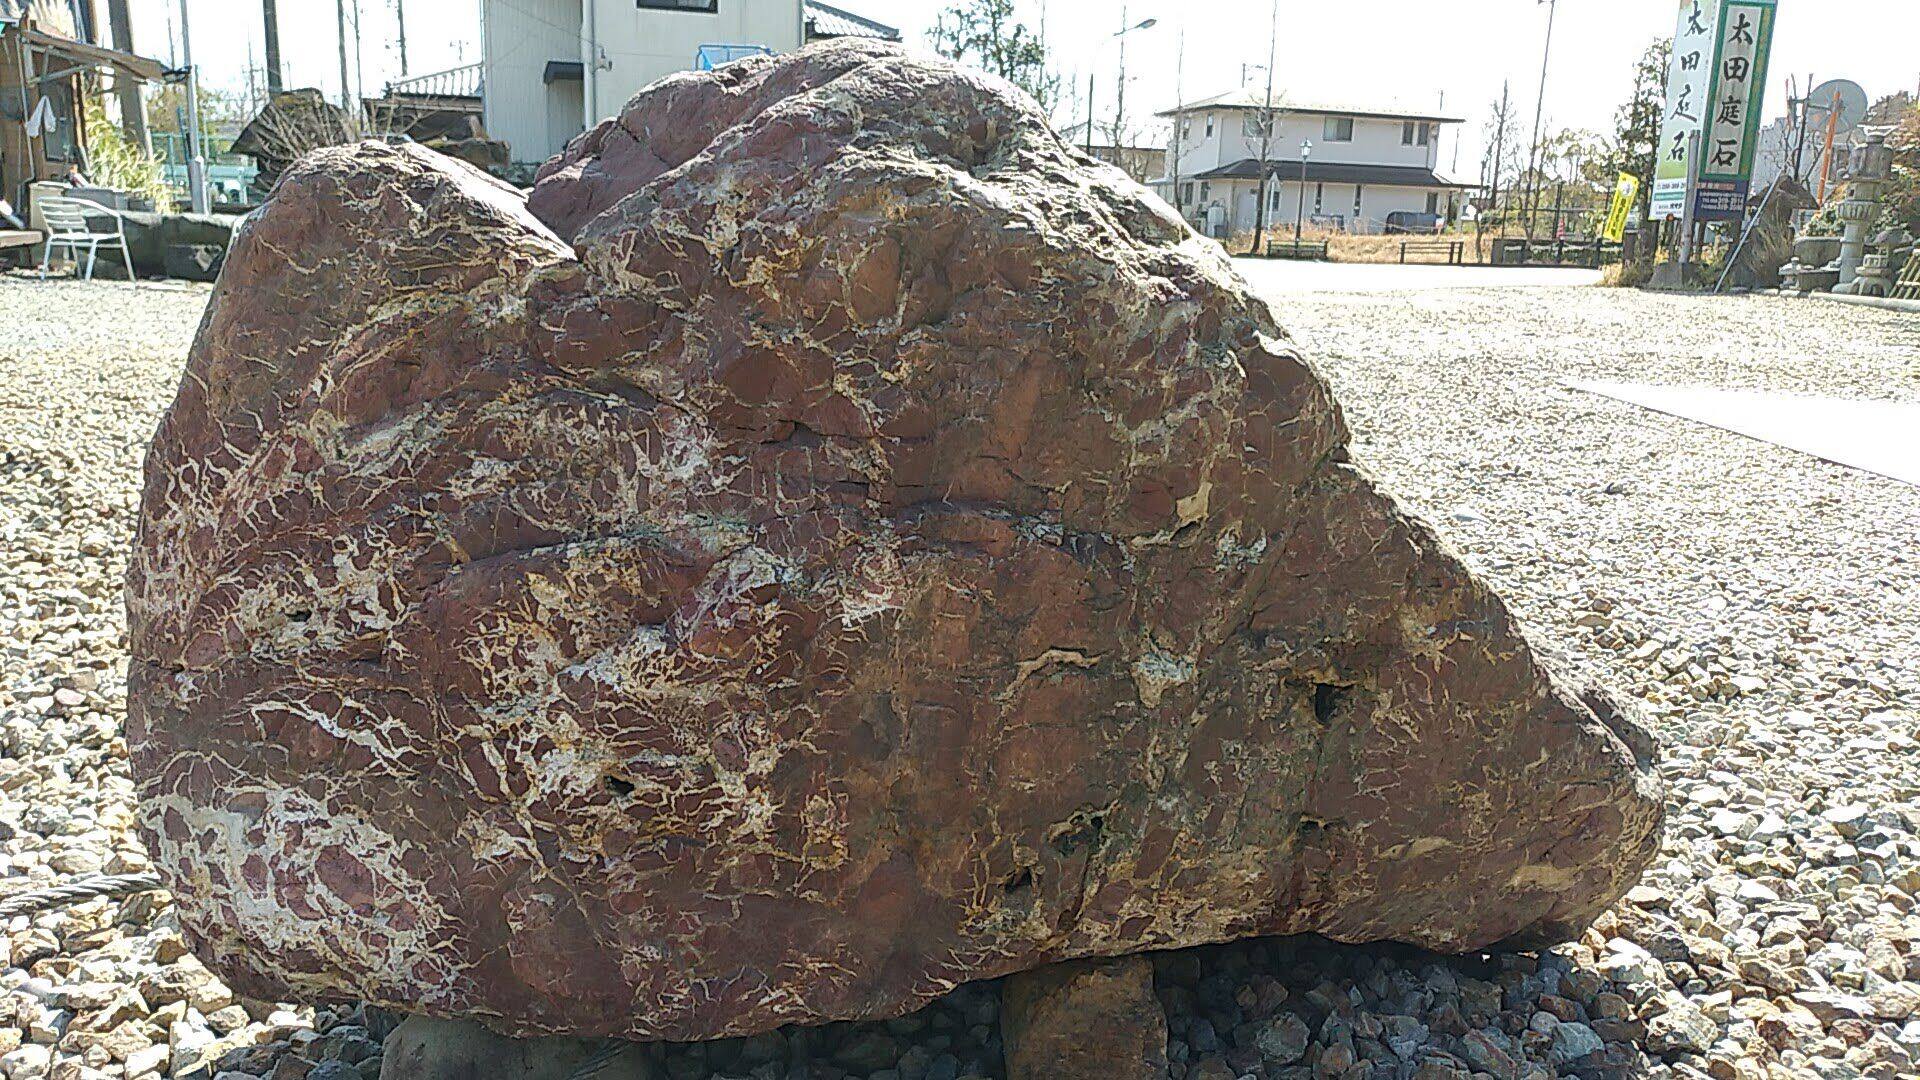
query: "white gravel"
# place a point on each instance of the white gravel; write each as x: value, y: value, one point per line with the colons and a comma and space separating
x: 1763, y: 606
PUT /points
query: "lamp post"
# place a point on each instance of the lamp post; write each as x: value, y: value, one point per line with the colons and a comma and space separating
x: 1300, y: 207
x: 1093, y: 71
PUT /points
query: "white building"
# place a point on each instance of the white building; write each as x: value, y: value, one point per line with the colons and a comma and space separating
x: 1368, y: 163
x: 550, y: 68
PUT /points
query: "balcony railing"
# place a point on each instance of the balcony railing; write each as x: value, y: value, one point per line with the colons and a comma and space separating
x: 454, y: 82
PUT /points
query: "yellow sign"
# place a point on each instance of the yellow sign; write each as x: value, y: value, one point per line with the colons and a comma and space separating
x: 1623, y: 196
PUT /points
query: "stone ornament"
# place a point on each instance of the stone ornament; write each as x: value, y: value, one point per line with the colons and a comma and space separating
x: 832, y: 543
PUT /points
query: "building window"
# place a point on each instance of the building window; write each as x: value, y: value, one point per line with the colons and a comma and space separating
x: 1426, y: 134
x: 702, y: 7
x: 1359, y: 192
x: 1209, y: 127
x: 1319, y: 197
x: 1338, y: 129
x: 1273, y: 200
x: 1206, y: 190
x: 1186, y: 192
x: 1433, y: 202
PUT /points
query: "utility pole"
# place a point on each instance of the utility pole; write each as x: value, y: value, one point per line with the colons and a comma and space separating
x: 359, y: 65
x: 1539, y: 112
x: 1686, y: 212
x: 133, y: 107
x: 346, y: 81
x: 196, y: 162
x: 1266, y: 134
x: 270, y: 14
x: 400, y: 15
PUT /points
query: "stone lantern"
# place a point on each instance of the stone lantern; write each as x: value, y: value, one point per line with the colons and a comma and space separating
x: 1869, y: 168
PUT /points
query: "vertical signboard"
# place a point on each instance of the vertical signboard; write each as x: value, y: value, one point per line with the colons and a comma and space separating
x: 1689, y: 81
x: 1735, y: 100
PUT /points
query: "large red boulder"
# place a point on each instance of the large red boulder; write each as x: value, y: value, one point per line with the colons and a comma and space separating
x: 855, y: 545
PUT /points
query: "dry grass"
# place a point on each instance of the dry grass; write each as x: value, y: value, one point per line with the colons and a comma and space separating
x: 1349, y: 248
x: 1626, y: 275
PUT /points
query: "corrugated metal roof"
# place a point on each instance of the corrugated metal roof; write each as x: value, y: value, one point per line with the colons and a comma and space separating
x: 827, y: 21
x: 1255, y: 97
x: 462, y: 81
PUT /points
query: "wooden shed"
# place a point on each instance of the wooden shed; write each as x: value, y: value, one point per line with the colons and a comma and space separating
x: 47, y: 57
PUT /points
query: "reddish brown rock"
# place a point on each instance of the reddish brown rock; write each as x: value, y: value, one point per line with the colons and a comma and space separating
x: 1084, y: 1020
x: 871, y: 547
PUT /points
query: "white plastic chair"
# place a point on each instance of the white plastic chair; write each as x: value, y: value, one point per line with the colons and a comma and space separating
x: 68, y: 227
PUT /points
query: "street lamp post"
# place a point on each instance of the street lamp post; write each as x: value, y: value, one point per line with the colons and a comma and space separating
x: 1093, y: 70
x: 1300, y: 206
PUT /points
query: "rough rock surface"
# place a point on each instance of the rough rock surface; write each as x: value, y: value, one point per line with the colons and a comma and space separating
x: 426, y: 1049
x: 862, y: 547
x: 1084, y: 1020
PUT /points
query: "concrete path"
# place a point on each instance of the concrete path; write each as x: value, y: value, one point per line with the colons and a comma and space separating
x: 1876, y: 436
x: 1274, y: 276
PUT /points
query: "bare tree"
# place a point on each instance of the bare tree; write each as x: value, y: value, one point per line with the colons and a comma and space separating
x: 1266, y: 134
x: 987, y: 35
x: 1637, y: 123
x: 1502, y: 148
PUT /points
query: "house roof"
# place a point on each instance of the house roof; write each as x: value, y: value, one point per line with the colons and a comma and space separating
x: 1255, y: 97
x: 1333, y: 172
x: 79, y: 52
x: 827, y: 21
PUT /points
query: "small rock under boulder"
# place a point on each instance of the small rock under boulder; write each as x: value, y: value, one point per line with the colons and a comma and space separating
x: 1084, y: 1020
x: 841, y: 543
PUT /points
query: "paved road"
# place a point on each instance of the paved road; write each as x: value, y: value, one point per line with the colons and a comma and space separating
x: 1283, y: 276
x: 1878, y: 436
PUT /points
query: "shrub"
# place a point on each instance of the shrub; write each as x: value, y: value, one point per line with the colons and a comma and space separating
x: 118, y: 163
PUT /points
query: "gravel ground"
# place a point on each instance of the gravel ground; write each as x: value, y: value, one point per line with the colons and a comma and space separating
x: 1761, y: 605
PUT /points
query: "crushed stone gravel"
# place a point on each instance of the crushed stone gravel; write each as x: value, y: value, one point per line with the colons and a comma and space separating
x: 1762, y: 606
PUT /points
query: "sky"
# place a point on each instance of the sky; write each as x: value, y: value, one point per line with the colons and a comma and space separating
x: 1410, y: 52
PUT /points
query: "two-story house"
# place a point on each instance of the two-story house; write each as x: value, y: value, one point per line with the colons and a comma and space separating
x: 551, y: 68
x: 1367, y: 162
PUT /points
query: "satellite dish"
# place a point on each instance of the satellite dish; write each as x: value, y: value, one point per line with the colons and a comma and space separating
x: 1852, y: 104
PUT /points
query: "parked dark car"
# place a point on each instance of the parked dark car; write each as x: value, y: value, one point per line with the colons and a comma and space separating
x: 1409, y: 221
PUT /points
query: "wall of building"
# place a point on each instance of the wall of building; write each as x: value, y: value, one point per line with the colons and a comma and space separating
x: 1234, y: 138
x: 645, y: 44
x: 1324, y: 206
x: 636, y: 46
x: 521, y: 37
